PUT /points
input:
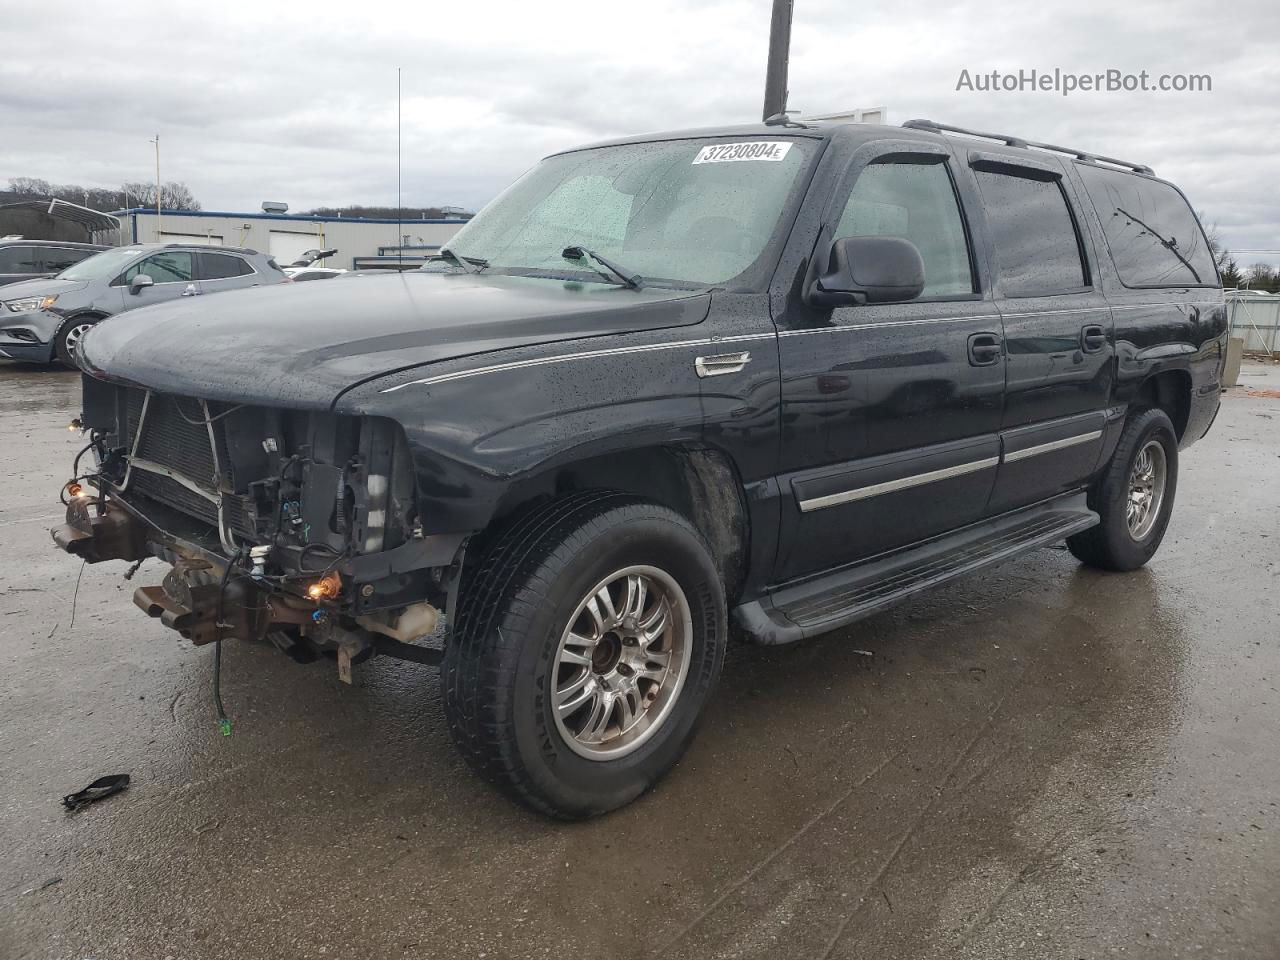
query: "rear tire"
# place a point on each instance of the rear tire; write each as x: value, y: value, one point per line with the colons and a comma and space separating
x: 1134, y: 497
x: 70, y: 334
x: 587, y: 641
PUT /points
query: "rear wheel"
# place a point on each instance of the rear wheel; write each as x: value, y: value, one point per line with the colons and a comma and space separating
x: 1134, y: 497
x: 587, y: 642
x: 69, y: 336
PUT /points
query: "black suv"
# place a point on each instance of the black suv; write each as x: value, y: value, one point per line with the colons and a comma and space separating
x: 31, y: 259
x: 780, y: 376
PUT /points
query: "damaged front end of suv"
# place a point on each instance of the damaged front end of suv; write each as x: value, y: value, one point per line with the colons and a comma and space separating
x: 299, y: 527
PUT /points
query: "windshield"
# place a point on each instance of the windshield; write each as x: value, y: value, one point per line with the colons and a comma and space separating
x: 677, y: 211
x: 101, y: 266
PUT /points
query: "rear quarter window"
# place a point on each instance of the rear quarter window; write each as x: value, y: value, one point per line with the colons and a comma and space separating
x: 1154, y: 238
x: 222, y: 266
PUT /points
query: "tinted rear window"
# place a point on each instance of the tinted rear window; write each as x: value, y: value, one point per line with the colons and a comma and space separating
x: 220, y: 266
x: 57, y: 259
x: 1154, y: 238
x: 19, y: 260
x: 1037, y: 247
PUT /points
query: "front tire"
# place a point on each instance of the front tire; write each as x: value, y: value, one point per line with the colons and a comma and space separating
x: 587, y: 641
x: 1134, y: 497
x: 69, y: 335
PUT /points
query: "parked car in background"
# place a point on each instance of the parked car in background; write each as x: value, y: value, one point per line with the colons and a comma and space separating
x: 31, y: 259
x: 43, y: 320
x: 298, y: 274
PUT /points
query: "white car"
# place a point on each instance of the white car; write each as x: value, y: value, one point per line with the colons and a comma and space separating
x: 312, y: 273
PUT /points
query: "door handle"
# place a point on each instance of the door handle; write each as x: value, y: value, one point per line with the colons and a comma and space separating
x: 1092, y: 338
x: 985, y: 349
x: 191, y: 291
x: 721, y: 364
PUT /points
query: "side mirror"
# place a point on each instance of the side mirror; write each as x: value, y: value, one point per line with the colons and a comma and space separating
x: 139, y: 283
x: 868, y: 270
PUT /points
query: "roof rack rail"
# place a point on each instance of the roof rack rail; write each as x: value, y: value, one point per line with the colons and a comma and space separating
x: 932, y: 126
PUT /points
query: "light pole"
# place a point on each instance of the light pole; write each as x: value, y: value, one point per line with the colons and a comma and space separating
x: 156, y: 141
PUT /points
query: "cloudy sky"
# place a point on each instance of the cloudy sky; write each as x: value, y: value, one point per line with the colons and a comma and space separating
x: 297, y: 102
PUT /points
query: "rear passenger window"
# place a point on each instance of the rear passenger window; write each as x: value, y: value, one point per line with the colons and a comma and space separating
x: 917, y: 202
x: 1154, y: 238
x: 1037, y: 245
x: 56, y: 260
x: 19, y: 260
x: 220, y: 266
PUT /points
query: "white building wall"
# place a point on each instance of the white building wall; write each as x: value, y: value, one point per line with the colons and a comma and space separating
x: 285, y: 237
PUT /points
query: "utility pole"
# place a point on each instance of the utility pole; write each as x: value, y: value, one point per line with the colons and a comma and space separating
x: 775, y: 80
x: 156, y: 141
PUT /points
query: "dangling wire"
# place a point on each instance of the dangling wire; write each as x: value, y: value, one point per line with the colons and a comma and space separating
x: 224, y: 722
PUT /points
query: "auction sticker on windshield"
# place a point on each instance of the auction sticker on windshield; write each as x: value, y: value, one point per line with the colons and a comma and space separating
x: 733, y: 152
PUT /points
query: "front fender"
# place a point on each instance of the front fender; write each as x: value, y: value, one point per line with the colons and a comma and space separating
x: 476, y: 427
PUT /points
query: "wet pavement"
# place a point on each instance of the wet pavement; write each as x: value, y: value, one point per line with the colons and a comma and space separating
x: 1040, y: 761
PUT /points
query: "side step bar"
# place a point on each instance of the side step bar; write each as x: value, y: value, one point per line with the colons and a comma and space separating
x: 797, y: 611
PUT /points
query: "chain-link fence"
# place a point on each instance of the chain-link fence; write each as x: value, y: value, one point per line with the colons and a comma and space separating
x: 1255, y: 319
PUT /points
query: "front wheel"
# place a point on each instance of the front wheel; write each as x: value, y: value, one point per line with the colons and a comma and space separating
x: 69, y: 337
x: 1134, y: 497
x: 586, y: 644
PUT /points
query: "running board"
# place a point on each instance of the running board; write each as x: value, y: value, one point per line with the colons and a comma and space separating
x: 836, y: 599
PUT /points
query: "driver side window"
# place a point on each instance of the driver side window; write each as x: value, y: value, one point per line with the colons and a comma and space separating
x: 172, y: 266
x: 916, y: 202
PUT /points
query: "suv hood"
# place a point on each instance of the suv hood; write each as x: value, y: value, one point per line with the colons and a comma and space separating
x: 40, y: 287
x: 301, y: 345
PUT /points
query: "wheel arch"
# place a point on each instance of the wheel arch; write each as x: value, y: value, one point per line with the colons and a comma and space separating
x: 697, y: 481
x: 87, y: 312
x: 1170, y: 391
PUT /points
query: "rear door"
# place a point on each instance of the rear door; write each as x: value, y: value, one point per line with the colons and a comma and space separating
x: 224, y: 271
x: 1059, y: 339
x: 890, y: 412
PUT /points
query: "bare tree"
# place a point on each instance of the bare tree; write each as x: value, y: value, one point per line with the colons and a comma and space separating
x: 29, y: 186
x: 1261, y: 276
x: 173, y: 195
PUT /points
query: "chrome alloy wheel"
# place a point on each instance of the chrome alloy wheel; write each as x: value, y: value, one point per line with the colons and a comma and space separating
x: 621, y: 663
x: 75, y: 335
x: 1147, y: 479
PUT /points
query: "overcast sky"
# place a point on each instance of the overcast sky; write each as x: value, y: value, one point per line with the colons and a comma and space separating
x: 297, y: 102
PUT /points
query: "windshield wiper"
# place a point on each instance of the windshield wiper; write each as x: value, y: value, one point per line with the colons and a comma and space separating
x: 625, y: 277
x: 469, y: 264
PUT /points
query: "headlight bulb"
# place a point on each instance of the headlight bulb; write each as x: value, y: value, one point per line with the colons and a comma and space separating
x: 326, y: 588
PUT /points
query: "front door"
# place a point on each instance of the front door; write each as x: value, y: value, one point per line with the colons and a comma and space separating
x: 172, y: 273
x: 891, y: 412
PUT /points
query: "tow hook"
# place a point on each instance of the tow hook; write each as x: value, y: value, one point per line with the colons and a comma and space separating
x: 187, y: 601
x: 97, y: 531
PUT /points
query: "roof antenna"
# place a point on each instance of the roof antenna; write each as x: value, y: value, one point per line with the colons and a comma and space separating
x: 775, y: 78
x: 399, y: 204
